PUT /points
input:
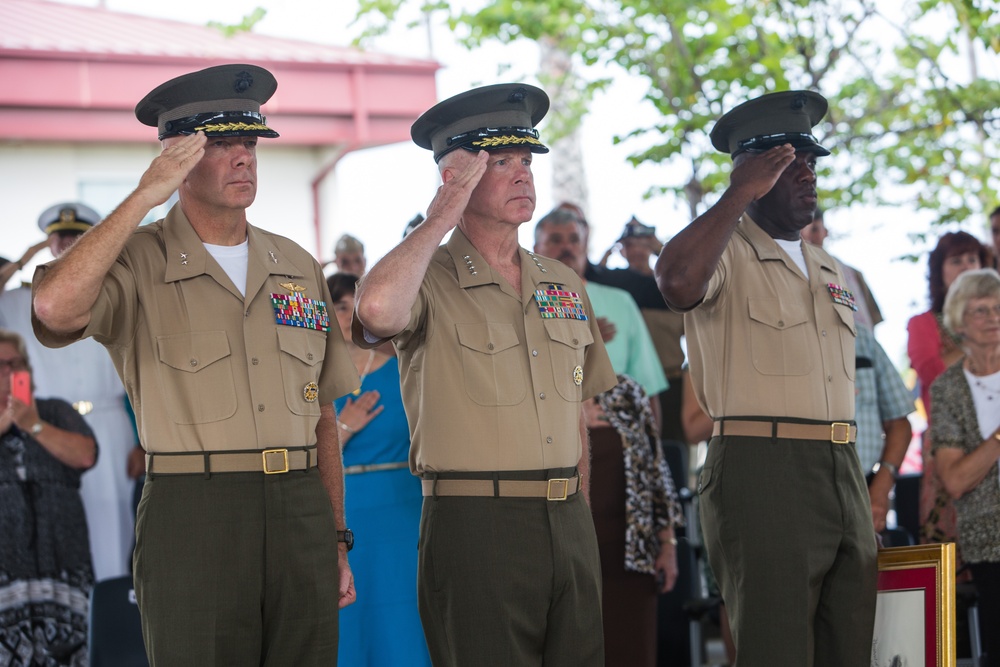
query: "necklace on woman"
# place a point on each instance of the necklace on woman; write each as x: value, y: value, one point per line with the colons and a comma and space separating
x: 991, y: 379
x: 990, y: 392
x: 364, y: 373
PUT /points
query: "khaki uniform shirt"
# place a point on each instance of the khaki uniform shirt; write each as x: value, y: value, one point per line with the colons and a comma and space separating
x: 666, y: 328
x: 487, y: 383
x: 205, y: 368
x: 768, y: 341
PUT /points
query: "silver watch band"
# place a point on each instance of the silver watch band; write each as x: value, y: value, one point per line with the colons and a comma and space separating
x: 892, y: 468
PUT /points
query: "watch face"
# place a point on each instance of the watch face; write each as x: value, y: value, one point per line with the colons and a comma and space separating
x: 347, y: 537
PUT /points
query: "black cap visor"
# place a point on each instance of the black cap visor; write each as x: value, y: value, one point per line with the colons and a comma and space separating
x: 221, y: 124
x: 801, y: 141
x: 496, y: 138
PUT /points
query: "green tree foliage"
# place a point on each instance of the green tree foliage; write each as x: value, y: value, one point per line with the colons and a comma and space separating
x: 908, y: 107
x: 246, y: 24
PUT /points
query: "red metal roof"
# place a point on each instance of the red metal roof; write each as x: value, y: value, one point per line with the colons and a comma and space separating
x: 73, y: 73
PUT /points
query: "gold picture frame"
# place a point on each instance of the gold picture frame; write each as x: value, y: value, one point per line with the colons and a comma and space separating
x: 915, y: 613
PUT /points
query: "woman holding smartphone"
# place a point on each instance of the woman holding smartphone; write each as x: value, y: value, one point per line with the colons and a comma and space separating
x: 45, y: 567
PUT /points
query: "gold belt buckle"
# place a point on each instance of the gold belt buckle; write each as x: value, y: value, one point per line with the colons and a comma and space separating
x: 833, y: 433
x: 276, y: 471
x: 565, y: 489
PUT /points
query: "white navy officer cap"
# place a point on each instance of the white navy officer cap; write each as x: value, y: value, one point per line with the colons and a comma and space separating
x: 68, y: 217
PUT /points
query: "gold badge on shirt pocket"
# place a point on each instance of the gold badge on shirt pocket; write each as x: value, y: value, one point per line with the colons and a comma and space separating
x: 578, y: 376
x: 310, y: 392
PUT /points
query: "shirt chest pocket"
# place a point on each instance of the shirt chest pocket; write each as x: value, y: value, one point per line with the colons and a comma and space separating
x: 848, y: 337
x: 196, y: 376
x: 567, y: 349
x: 779, y: 337
x: 492, y: 363
x: 302, y: 354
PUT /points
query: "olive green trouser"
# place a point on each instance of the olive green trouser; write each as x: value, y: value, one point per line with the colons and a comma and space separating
x: 510, y: 581
x: 238, y: 569
x: 789, y: 534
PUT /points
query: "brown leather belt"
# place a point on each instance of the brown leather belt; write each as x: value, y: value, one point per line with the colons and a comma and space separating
x: 268, y: 461
x: 559, y: 488
x: 840, y: 433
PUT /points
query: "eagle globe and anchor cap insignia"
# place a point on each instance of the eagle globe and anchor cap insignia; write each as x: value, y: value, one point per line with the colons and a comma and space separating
x: 243, y: 82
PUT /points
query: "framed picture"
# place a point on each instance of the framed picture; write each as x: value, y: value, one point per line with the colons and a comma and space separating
x: 915, y: 612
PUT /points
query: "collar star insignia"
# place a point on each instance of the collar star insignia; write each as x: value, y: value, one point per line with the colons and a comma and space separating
x: 538, y: 263
x: 273, y: 258
x: 184, y: 258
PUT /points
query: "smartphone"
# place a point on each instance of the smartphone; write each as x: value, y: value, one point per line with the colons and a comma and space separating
x: 20, y: 386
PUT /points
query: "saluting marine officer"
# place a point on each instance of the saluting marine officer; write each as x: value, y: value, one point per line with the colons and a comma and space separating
x: 221, y: 334
x: 497, y: 347
x: 771, y: 331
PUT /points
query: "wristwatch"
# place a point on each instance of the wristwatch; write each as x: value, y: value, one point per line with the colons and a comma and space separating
x: 893, y: 469
x: 347, y: 537
x: 37, y: 427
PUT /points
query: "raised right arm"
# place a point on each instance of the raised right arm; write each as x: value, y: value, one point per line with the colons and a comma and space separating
x: 388, y: 291
x: 688, y: 261
x: 70, y: 287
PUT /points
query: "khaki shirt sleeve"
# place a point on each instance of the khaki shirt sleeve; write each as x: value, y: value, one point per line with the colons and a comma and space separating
x: 715, y: 286
x: 598, y: 374
x: 338, y: 376
x: 411, y: 334
x: 717, y: 282
x: 113, y: 316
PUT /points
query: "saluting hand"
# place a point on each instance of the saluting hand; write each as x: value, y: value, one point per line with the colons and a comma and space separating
x: 460, y: 180
x: 169, y: 169
x: 758, y: 172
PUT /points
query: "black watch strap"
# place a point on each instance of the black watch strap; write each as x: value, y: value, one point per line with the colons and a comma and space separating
x: 347, y: 537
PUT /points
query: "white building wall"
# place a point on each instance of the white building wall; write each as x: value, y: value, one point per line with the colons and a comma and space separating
x: 371, y: 193
x: 35, y: 176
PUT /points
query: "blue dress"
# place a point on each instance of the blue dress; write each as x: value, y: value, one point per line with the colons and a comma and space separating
x: 383, y: 509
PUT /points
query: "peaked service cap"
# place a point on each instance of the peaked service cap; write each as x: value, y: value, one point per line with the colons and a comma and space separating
x: 221, y: 101
x: 786, y: 117
x: 494, y: 117
x: 68, y: 217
